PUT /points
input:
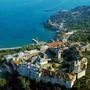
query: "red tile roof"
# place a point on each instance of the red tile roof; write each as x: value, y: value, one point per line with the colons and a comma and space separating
x: 55, y: 44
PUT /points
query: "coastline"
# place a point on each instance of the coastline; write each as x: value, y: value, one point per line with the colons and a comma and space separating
x: 12, y: 48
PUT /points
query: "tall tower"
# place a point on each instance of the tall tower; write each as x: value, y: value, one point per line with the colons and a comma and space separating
x: 59, y: 57
x: 80, y: 67
x: 59, y: 54
x: 77, y: 66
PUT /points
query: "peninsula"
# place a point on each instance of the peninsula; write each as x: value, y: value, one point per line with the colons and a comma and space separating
x: 74, y: 19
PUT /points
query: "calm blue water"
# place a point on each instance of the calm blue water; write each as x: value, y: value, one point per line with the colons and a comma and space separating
x: 20, y: 20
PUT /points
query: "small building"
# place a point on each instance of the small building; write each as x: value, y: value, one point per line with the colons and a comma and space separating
x: 42, y: 59
x: 43, y: 48
x: 80, y: 67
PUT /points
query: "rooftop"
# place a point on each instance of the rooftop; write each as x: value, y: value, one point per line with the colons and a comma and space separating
x: 55, y: 44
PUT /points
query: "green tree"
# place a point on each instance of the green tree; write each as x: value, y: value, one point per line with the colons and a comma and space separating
x: 25, y: 83
x: 3, y: 82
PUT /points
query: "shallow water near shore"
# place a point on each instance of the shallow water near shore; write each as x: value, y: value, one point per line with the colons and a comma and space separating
x: 21, y: 20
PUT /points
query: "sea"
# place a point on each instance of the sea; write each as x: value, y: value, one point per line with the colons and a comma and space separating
x: 22, y: 20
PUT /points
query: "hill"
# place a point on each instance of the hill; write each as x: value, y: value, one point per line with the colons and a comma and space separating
x: 74, y: 19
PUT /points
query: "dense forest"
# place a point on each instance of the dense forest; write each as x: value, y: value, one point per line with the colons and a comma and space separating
x: 81, y: 36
